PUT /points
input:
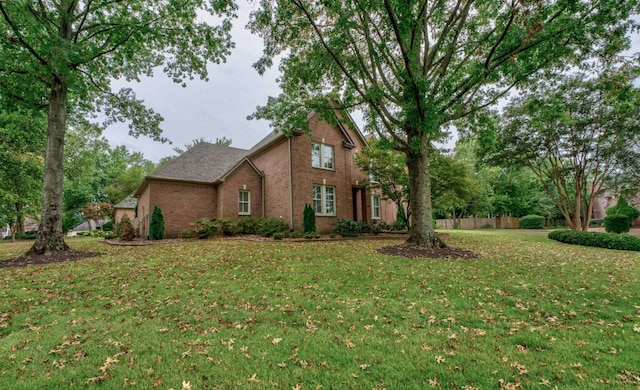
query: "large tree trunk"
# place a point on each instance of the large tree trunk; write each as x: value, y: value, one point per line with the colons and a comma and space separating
x: 421, y: 233
x: 50, y: 236
x: 20, y: 229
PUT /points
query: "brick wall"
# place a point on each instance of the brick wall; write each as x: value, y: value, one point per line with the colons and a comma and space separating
x: 181, y: 204
x: 274, y: 163
x: 243, y: 178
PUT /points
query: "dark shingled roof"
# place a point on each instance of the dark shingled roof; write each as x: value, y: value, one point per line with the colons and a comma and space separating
x: 204, y: 162
x: 265, y: 141
x: 127, y: 203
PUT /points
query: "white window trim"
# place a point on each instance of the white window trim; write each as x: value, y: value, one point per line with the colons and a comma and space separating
x: 373, y: 207
x: 322, y: 160
x: 241, y: 202
x: 323, y: 200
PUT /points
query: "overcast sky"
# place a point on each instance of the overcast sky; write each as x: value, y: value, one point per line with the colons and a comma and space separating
x: 213, y: 109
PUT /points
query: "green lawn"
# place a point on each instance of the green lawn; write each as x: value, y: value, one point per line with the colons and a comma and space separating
x: 230, y: 314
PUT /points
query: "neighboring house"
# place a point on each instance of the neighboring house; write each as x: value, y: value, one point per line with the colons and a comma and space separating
x: 126, y: 207
x: 275, y: 178
x: 5, y: 231
x: 608, y: 199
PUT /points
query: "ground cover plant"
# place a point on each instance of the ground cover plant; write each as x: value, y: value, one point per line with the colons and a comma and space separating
x: 229, y: 313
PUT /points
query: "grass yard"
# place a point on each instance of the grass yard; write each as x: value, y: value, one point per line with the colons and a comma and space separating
x: 233, y: 314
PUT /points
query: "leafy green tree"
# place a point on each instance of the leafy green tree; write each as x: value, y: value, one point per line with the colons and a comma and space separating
x: 156, y: 226
x: 74, y: 49
x: 453, y: 188
x: 572, y: 137
x: 415, y: 67
x: 21, y: 147
x: 388, y: 169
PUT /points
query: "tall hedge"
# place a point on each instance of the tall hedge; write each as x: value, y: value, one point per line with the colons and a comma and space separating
x: 532, y: 222
x: 308, y: 219
x: 156, y: 226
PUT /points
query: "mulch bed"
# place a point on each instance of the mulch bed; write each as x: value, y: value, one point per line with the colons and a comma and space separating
x: 411, y: 251
x: 56, y: 257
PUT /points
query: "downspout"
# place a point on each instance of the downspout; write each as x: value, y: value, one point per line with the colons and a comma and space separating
x: 146, y: 217
x: 262, y: 181
x: 290, y: 186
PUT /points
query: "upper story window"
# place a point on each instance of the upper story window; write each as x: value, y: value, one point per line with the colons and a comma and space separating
x: 321, y: 156
x: 244, y: 203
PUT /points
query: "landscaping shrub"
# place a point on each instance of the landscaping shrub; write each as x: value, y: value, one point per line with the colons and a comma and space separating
x: 30, y: 235
x: 399, y: 225
x: 616, y: 223
x: 308, y: 219
x: 280, y: 235
x: 532, y: 222
x: 126, y: 232
x: 229, y: 227
x: 156, y: 226
x: 270, y: 226
x: 346, y: 228
x: 600, y: 240
x: 623, y: 207
x: 108, y: 226
x: 363, y: 227
x: 205, y: 228
x: 596, y: 222
x: 249, y: 225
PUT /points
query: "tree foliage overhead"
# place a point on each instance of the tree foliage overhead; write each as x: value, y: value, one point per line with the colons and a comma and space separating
x: 417, y: 66
x: 573, y: 136
x: 72, y: 50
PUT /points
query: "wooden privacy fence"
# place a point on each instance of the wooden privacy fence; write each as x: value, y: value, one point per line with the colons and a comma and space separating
x: 480, y: 223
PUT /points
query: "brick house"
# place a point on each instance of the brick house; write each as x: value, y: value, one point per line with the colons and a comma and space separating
x: 275, y: 178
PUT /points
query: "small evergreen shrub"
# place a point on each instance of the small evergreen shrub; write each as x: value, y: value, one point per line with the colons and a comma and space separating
x: 249, y: 225
x: 399, y: 225
x: 108, y: 226
x: 156, y: 226
x: 229, y: 227
x: 269, y: 226
x: 308, y: 219
x: 616, y: 223
x: 346, y: 228
x: 280, y: 235
x: 206, y: 228
x: 623, y: 207
x: 532, y: 222
x: 126, y: 232
x: 623, y: 242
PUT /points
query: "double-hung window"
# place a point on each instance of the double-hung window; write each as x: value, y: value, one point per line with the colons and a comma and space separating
x: 324, y: 200
x: 244, y: 202
x: 321, y: 156
x: 375, y: 207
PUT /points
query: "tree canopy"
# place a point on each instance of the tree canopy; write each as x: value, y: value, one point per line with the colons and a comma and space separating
x: 573, y: 136
x: 67, y: 52
x: 415, y: 67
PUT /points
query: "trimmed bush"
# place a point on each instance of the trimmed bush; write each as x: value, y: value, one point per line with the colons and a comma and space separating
x: 616, y: 223
x: 126, y: 232
x: 229, y: 227
x: 156, y: 226
x: 108, y: 226
x: 206, y: 228
x: 623, y: 207
x: 270, y: 226
x: 532, y: 222
x: 623, y: 242
x: 308, y: 219
x: 249, y: 225
x: 346, y: 228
